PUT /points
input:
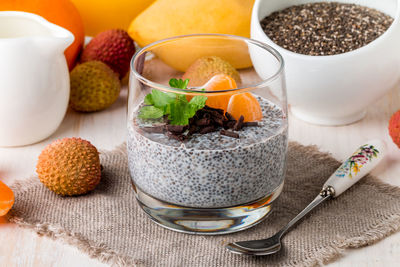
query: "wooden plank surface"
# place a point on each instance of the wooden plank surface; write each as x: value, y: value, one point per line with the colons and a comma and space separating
x: 106, y: 129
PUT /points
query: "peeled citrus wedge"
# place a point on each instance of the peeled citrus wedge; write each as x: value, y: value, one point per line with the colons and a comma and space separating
x: 244, y: 104
x: 217, y: 83
x: 6, y: 199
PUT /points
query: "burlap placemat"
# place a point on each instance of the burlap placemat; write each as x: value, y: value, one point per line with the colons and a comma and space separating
x: 108, y: 224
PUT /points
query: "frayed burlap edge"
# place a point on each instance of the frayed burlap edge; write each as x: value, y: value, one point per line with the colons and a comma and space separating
x: 96, y: 251
x: 322, y: 256
x: 337, y: 248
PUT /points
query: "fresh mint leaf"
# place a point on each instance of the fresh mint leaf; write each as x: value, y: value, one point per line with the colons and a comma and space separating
x: 180, y: 84
x: 198, y: 102
x: 178, y: 115
x: 161, y: 99
x: 176, y: 106
x: 181, y: 97
x: 150, y: 112
x: 182, y: 111
x: 148, y: 100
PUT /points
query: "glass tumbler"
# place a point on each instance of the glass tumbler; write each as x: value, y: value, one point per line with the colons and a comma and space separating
x: 207, y: 134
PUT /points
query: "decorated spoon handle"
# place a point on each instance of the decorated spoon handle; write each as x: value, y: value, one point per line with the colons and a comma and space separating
x: 355, y: 167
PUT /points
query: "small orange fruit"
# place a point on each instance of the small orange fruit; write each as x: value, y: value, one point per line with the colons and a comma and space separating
x: 245, y: 104
x: 217, y: 83
x: 6, y: 199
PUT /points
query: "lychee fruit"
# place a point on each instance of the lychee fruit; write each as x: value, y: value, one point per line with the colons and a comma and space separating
x: 94, y: 86
x: 113, y: 47
x: 394, y: 128
x: 69, y: 167
x: 204, y: 68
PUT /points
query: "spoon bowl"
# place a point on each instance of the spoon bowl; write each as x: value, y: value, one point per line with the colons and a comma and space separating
x: 257, y: 247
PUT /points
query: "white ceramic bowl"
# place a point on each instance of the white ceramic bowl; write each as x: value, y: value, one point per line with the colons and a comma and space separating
x: 334, y: 90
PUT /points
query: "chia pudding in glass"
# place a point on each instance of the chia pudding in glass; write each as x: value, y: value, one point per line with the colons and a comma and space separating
x: 207, y: 138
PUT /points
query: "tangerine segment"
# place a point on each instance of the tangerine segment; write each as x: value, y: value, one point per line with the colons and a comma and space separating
x: 245, y: 104
x: 217, y: 83
x: 6, y: 199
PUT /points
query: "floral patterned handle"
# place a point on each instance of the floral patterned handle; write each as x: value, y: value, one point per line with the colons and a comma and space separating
x: 356, y: 166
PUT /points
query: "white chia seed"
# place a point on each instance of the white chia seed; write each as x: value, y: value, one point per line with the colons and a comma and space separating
x: 211, y: 170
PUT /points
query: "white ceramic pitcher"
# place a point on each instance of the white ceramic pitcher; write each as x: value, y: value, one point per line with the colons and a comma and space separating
x: 34, y: 78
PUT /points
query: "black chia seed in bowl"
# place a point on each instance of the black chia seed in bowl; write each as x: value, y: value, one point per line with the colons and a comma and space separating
x: 325, y: 28
x: 211, y: 170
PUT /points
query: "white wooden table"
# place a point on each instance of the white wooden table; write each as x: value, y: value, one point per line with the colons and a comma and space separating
x: 106, y: 129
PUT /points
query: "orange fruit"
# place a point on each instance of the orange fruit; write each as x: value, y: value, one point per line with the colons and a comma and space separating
x: 216, y: 83
x: 6, y: 199
x: 60, y: 12
x: 245, y: 104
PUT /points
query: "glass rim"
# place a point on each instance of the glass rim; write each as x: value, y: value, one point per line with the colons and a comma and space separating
x: 262, y: 83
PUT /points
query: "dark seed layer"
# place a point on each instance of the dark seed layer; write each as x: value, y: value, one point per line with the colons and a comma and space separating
x: 325, y: 28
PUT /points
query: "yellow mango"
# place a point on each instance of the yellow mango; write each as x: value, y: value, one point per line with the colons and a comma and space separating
x: 167, y: 18
x: 101, y: 15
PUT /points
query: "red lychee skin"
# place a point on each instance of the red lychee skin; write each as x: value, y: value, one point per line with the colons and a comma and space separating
x: 394, y: 128
x: 113, y: 47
